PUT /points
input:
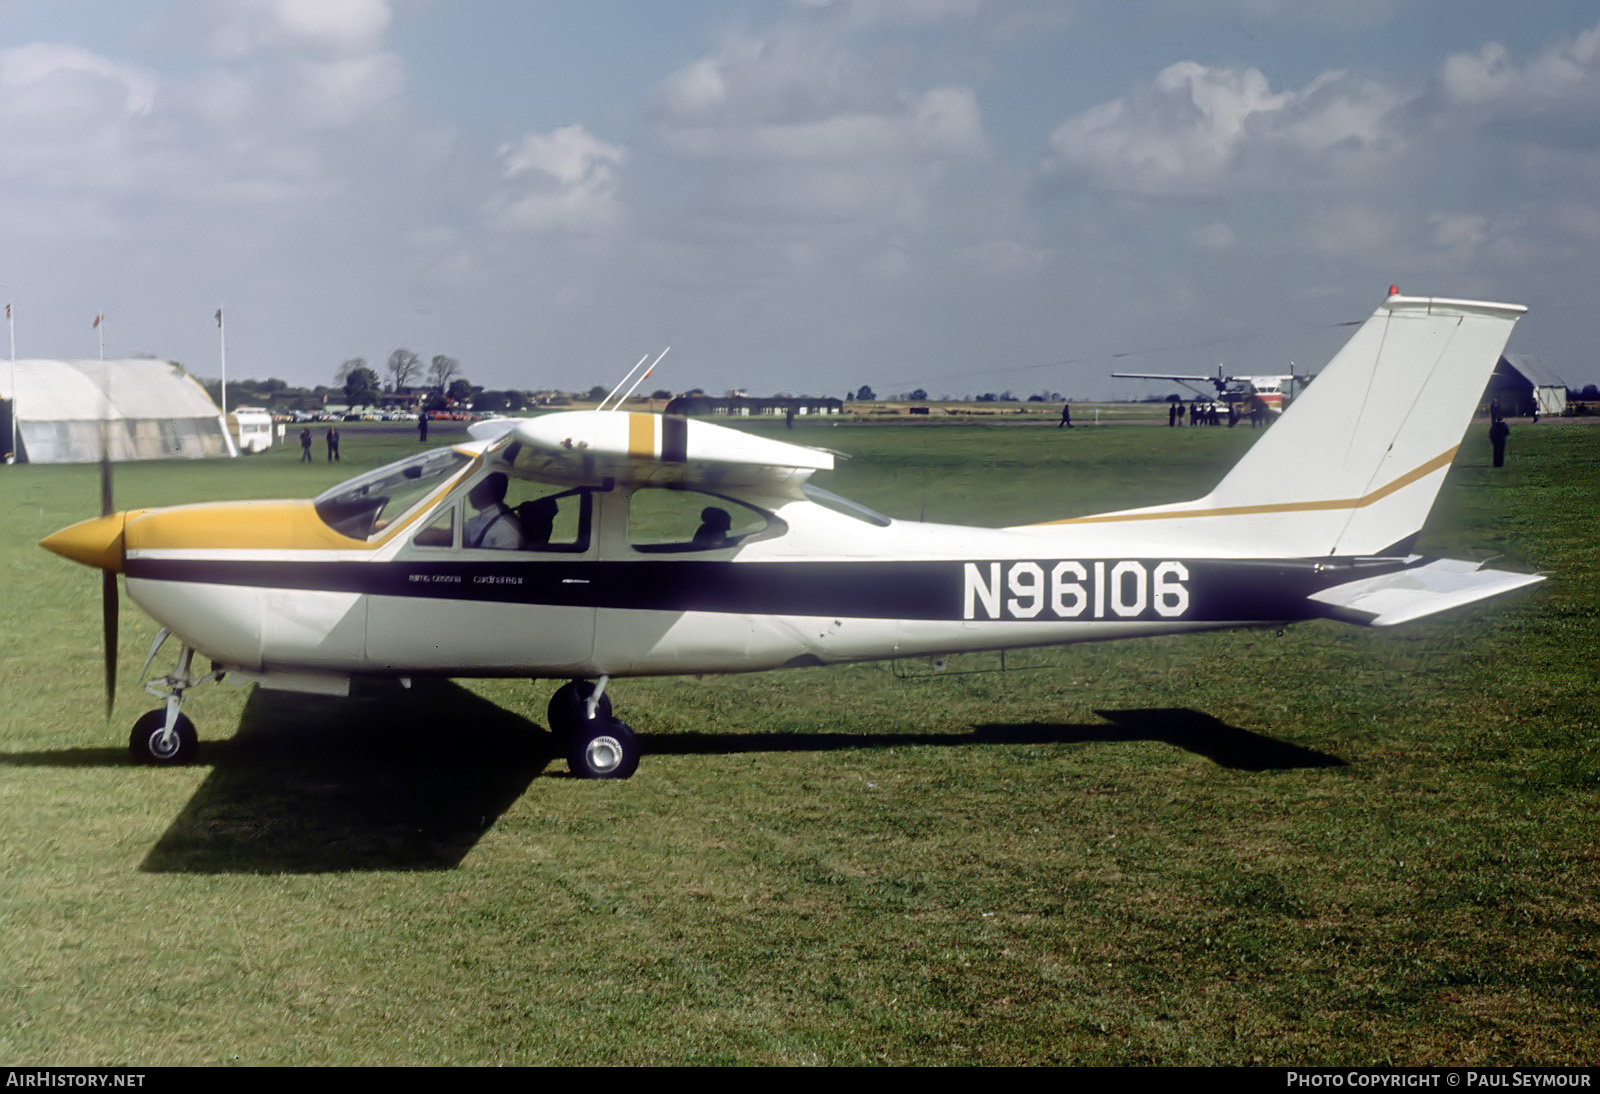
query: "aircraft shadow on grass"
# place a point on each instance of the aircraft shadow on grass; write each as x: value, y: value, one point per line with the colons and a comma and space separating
x: 392, y: 779
x: 1225, y: 745
x: 387, y: 779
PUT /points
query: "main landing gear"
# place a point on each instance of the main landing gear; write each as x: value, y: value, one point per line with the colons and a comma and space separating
x: 165, y: 735
x: 597, y: 746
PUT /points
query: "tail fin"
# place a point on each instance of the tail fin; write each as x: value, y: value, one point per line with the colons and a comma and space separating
x: 1355, y: 463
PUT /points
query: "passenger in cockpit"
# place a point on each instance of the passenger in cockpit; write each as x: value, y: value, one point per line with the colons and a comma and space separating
x: 713, y: 530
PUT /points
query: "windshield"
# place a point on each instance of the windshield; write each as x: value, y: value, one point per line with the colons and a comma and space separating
x: 369, y: 504
x: 849, y: 508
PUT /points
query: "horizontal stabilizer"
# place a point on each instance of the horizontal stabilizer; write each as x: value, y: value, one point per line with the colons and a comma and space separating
x: 1418, y: 592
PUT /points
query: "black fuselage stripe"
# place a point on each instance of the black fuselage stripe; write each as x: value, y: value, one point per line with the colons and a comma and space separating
x: 1214, y: 590
x: 674, y: 439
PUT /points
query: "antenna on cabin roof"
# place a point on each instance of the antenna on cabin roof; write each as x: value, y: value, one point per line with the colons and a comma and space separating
x: 614, y: 390
x: 636, y: 383
x: 643, y: 378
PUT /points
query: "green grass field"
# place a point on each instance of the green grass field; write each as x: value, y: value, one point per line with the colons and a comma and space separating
x: 1322, y: 846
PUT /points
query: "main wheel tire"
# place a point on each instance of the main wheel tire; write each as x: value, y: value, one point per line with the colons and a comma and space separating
x: 603, y: 749
x: 569, y: 707
x: 146, y: 745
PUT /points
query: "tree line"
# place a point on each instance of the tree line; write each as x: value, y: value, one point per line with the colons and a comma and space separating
x: 363, y: 386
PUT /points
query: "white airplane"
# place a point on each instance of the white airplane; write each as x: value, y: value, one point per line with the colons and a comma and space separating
x: 633, y: 544
x: 1270, y: 393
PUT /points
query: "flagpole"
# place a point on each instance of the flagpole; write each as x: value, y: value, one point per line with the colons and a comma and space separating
x: 11, y: 330
x: 100, y: 328
x: 222, y: 338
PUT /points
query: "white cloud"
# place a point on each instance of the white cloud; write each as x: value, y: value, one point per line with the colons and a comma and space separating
x: 70, y: 119
x: 1216, y: 235
x: 1345, y: 13
x: 1460, y: 232
x: 562, y: 181
x: 1181, y: 131
x: 695, y: 90
x: 805, y: 124
x: 296, y: 64
x: 331, y: 26
x: 1563, y: 70
x: 1197, y: 129
x: 344, y: 91
x: 943, y: 122
x: 877, y: 13
x: 51, y: 75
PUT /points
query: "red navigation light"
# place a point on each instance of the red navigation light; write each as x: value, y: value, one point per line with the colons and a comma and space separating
x: 1394, y: 290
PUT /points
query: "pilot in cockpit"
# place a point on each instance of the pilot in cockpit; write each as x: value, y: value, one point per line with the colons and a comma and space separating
x: 495, y: 526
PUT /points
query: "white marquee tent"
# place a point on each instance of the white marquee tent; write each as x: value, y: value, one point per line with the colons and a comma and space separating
x: 145, y: 409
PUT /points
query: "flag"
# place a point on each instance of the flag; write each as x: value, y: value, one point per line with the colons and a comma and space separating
x: 219, y: 317
x: 96, y: 324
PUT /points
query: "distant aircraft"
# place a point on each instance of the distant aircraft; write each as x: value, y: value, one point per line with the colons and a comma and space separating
x: 647, y: 545
x: 1270, y: 393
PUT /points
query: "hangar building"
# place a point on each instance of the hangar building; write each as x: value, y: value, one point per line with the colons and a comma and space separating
x: 58, y: 411
x: 777, y: 406
x: 1522, y: 382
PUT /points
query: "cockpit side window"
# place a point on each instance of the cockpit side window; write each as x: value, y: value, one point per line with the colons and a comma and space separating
x: 549, y: 519
x: 441, y: 530
x: 504, y: 514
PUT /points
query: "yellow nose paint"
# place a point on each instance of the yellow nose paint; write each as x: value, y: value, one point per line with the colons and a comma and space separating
x: 96, y: 542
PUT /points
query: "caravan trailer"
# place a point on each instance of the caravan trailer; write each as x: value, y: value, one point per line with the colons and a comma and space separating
x: 251, y: 427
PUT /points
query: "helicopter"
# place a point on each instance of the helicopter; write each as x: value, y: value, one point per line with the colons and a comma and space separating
x: 587, y: 546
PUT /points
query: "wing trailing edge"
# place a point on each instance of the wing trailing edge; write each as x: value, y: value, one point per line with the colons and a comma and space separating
x: 584, y: 446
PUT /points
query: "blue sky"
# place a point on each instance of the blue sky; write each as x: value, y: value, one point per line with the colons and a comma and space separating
x: 959, y: 195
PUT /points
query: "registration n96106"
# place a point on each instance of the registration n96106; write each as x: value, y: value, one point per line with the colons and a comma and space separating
x: 1070, y: 589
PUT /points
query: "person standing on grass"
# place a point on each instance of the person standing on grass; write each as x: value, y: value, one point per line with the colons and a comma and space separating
x: 333, y: 443
x: 305, y: 445
x: 1498, y: 432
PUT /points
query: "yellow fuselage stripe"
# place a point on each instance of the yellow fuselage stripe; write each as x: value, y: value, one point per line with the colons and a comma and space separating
x: 642, y: 436
x: 1441, y: 460
x: 285, y: 525
x: 292, y: 525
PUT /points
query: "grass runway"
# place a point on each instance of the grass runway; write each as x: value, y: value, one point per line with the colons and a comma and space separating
x: 1321, y: 846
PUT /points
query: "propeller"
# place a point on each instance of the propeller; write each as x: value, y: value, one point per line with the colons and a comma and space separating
x: 109, y: 606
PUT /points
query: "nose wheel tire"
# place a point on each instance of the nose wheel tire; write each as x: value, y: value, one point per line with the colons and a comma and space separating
x: 150, y: 745
x: 602, y: 749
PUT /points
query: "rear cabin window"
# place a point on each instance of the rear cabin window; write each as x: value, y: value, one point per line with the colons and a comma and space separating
x: 662, y: 520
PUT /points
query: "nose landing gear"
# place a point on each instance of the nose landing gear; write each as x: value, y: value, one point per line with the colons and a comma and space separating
x: 166, y: 736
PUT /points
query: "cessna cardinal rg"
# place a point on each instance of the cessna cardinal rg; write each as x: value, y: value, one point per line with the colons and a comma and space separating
x: 585, y: 546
